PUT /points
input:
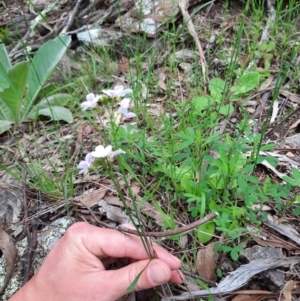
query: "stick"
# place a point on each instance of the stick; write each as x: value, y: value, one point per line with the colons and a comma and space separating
x: 282, y: 121
x: 33, y: 24
x: 31, y: 237
x: 192, y: 275
x: 265, y: 35
x: 72, y: 16
x: 179, y: 230
x: 183, y: 5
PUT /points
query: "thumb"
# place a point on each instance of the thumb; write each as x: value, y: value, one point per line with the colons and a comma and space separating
x: 152, y: 274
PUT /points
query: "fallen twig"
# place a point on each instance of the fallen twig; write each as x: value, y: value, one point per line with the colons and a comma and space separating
x: 31, y: 238
x: 72, y: 17
x: 183, y: 5
x: 265, y: 35
x: 179, y: 230
x: 282, y: 121
x: 33, y: 24
x: 192, y: 275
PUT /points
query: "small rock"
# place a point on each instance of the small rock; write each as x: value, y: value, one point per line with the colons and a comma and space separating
x: 47, y: 238
x: 274, y: 279
x: 293, y: 141
x: 11, y: 202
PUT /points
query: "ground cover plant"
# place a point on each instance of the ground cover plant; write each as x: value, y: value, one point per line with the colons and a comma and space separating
x: 169, y: 127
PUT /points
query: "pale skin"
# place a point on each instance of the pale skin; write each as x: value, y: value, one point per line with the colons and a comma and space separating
x: 75, y: 268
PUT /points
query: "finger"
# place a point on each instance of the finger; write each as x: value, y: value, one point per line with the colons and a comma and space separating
x: 154, y: 273
x: 104, y: 243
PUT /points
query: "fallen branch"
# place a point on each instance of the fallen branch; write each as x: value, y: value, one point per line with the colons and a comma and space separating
x: 179, y: 230
x: 265, y: 35
x: 72, y: 17
x: 33, y: 25
x: 31, y: 238
x: 183, y: 5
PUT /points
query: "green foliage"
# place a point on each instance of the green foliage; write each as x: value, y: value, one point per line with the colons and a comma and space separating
x: 21, y: 84
x: 266, y: 53
x: 4, y: 32
x: 218, y: 91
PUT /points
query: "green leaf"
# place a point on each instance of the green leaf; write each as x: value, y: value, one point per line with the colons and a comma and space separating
x: 226, y: 109
x: 59, y: 99
x: 290, y: 181
x: 4, y: 79
x: 201, y: 103
x: 5, y: 125
x: 235, y: 252
x: 57, y: 113
x: 246, y: 82
x: 42, y: 65
x: 216, y: 88
x: 132, y: 286
x: 12, y: 96
x: 4, y: 58
x: 205, y: 232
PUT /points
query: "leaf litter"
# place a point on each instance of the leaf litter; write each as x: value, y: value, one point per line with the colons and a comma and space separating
x: 92, y: 197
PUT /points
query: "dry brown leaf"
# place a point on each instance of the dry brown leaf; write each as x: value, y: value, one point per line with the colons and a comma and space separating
x: 291, y: 96
x: 93, y: 198
x: 135, y: 188
x: 265, y: 85
x: 113, y: 213
x: 274, y: 111
x: 161, y: 81
x: 273, y: 243
x: 241, y: 297
x: 146, y: 208
x: 287, y: 290
x: 295, y: 124
x: 9, y: 251
x: 123, y: 66
x: 206, y: 262
x: 248, y: 298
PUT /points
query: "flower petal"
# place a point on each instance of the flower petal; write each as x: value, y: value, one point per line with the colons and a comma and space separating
x: 115, y: 153
x: 124, y: 103
x: 107, y: 150
x: 98, y: 153
x: 110, y: 93
x: 126, y: 91
x: 85, y: 105
x: 90, y: 97
x: 129, y: 115
x: 82, y: 164
x: 89, y: 158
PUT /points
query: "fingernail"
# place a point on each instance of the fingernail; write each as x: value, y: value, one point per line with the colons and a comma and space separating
x: 176, y: 259
x: 158, y: 274
x: 181, y: 275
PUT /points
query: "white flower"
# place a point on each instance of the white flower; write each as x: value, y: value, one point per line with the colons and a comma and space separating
x: 91, y: 101
x: 102, y: 152
x: 84, y: 165
x: 124, y: 105
x: 115, y: 153
x: 118, y: 91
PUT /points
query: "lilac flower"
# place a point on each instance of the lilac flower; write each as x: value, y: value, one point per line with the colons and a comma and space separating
x: 84, y: 165
x: 91, y: 101
x: 118, y: 91
x: 102, y: 152
x: 124, y: 105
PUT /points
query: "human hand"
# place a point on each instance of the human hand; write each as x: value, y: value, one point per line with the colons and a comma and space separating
x: 75, y: 268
